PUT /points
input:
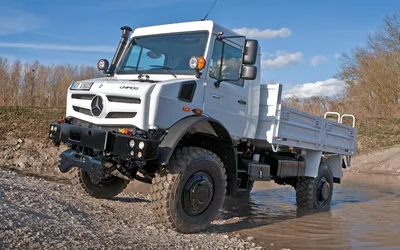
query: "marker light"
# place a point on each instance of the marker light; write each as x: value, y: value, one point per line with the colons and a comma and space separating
x: 198, y: 111
x: 186, y: 109
x: 197, y: 63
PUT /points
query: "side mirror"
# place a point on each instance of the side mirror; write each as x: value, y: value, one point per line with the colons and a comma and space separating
x: 250, y: 52
x: 103, y: 64
x: 248, y: 72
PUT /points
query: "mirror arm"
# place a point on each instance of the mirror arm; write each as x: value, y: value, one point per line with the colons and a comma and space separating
x: 217, y: 83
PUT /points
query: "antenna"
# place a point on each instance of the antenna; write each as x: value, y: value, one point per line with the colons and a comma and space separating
x: 209, y: 11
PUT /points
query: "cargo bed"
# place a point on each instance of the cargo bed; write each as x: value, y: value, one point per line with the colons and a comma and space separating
x: 284, y: 126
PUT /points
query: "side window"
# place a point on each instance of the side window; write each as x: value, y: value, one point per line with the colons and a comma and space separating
x: 215, y: 64
x: 231, y: 63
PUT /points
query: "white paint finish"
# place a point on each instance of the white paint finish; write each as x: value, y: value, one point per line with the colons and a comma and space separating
x: 222, y: 103
x: 335, y: 163
x: 305, y: 130
x: 206, y: 25
x: 268, y: 107
x: 313, y: 159
x: 291, y: 127
x: 166, y: 109
x: 253, y: 101
x: 111, y: 86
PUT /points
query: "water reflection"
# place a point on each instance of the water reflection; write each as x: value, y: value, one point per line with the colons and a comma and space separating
x: 364, y: 214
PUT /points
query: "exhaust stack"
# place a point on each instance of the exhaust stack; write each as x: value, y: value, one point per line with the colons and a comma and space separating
x: 121, y: 46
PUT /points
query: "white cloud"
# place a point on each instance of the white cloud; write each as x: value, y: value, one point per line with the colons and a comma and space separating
x: 327, y: 88
x: 267, y: 33
x: 316, y: 60
x: 64, y: 47
x: 282, y: 59
x: 337, y: 56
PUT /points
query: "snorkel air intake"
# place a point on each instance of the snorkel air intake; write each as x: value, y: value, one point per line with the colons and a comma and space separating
x: 121, y: 46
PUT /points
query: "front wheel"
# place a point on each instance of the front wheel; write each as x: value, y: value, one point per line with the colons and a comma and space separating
x: 107, y: 188
x: 315, y: 193
x: 188, y: 194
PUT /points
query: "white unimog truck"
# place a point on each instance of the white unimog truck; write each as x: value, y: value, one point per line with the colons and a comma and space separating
x: 181, y: 106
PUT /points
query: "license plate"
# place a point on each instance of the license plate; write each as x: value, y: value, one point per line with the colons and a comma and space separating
x: 81, y: 85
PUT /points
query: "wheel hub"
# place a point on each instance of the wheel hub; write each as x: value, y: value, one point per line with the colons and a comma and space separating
x: 324, y: 190
x: 198, y: 193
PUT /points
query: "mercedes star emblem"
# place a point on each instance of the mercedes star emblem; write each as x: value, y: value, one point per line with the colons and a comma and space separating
x: 97, y: 105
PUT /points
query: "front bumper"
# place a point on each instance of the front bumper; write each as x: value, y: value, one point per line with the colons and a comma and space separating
x: 104, y: 142
x: 108, y: 142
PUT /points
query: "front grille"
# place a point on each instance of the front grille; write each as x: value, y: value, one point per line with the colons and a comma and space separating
x: 82, y: 110
x: 82, y: 96
x: 123, y: 99
x: 121, y: 115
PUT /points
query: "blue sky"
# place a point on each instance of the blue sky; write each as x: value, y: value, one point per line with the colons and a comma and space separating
x: 300, y: 40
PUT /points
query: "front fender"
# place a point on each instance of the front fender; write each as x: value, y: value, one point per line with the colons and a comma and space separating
x: 195, y: 123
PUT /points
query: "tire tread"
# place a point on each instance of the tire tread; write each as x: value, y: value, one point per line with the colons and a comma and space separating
x: 163, y: 183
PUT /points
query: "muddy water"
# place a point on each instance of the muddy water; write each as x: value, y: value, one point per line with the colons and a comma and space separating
x: 365, y: 214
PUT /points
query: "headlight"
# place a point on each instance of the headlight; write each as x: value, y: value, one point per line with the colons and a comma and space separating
x: 102, y: 64
x: 197, y: 63
x: 131, y: 143
x: 141, y: 145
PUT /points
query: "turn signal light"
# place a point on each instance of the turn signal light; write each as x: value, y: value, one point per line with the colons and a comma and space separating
x: 186, y: 109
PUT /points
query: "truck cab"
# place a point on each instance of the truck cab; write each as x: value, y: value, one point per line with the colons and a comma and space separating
x: 181, y: 107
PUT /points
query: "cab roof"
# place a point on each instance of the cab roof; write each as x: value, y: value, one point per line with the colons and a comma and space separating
x: 206, y: 25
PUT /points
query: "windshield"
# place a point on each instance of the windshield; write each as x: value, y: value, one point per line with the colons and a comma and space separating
x: 163, y: 54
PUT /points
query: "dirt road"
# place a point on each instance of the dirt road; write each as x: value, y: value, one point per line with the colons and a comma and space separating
x: 36, y: 214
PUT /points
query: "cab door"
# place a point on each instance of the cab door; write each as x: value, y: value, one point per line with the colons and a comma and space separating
x: 227, y: 101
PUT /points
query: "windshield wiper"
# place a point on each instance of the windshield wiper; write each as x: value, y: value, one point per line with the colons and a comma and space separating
x: 132, y: 67
x: 144, y: 80
x: 164, y: 67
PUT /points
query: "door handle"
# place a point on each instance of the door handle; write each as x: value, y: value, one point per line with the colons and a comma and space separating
x: 241, y: 101
x: 216, y: 96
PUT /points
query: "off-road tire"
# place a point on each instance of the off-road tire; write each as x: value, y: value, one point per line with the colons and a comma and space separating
x: 104, y: 190
x: 168, y: 186
x: 307, y: 190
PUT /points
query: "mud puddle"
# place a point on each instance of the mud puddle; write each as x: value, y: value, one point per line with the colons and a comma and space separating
x: 365, y: 213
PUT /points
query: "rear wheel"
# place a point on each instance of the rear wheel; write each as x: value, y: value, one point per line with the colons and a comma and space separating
x: 315, y: 193
x: 188, y: 194
x: 107, y: 188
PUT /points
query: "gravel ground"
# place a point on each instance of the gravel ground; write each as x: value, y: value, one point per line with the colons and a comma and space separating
x: 37, y: 213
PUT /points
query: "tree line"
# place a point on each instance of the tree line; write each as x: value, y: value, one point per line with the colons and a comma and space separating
x: 36, y: 84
